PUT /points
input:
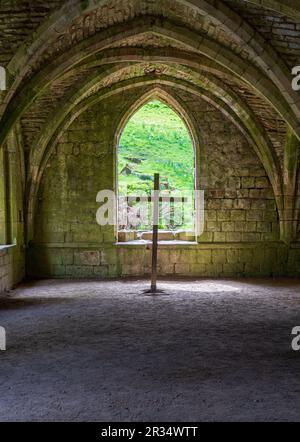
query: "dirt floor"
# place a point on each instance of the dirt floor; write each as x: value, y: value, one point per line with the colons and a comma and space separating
x: 104, y: 351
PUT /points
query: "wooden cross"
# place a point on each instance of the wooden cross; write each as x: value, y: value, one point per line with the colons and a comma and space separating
x: 156, y: 199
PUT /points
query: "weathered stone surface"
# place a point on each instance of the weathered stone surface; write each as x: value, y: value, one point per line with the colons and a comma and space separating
x: 162, y: 236
x: 88, y: 258
x: 222, y: 260
x: 228, y: 220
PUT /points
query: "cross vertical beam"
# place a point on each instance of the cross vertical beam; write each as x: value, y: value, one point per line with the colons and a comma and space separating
x: 155, y: 233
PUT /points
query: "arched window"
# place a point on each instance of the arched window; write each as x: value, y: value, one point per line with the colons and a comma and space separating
x: 156, y: 140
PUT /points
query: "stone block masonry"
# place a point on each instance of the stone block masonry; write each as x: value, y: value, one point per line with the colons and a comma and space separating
x: 5, y: 270
x: 72, y: 76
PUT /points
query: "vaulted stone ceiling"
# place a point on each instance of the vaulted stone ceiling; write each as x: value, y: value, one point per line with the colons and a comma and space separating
x: 63, y: 56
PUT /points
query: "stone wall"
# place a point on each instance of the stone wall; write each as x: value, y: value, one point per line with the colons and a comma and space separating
x: 241, y: 236
x: 195, y: 260
x: 82, y: 165
x: 240, y: 204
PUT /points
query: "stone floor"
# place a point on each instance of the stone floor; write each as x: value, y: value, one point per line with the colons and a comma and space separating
x: 204, y: 351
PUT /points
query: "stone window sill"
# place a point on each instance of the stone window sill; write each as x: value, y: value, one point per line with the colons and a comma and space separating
x: 7, y: 246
